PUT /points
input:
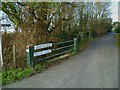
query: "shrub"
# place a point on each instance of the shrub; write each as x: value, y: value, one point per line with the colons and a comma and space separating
x: 93, y: 34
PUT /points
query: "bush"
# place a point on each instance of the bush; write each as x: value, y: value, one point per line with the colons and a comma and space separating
x: 93, y: 34
x: 87, y: 34
x: 117, y: 28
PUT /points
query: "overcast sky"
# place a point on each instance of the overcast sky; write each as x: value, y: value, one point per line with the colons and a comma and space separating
x: 114, y: 10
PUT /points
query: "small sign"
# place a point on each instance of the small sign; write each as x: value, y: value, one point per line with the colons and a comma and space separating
x: 42, y: 52
x: 42, y: 46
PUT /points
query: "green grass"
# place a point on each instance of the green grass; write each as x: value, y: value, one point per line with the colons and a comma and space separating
x: 118, y: 40
x: 85, y: 43
x: 14, y: 74
x: 0, y: 78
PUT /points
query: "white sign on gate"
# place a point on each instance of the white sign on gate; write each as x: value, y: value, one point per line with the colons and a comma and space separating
x: 42, y: 52
x: 42, y: 46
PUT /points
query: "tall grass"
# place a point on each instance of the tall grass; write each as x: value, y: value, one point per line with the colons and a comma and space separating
x: 0, y: 78
x: 118, y: 40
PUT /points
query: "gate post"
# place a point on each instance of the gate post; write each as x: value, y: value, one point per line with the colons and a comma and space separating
x: 75, y: 45
x: 1, y: 51
x: 30, y: 57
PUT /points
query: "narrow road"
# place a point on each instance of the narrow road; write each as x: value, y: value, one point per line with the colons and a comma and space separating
x: 96, y: 67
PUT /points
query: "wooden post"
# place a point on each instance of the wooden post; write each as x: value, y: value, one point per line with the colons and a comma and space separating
x: 90, y: 34
x: 30, y: 58
x: 1, y: 47
x: 1, y: 50
x: 75, y: 45
x: 14, y: 56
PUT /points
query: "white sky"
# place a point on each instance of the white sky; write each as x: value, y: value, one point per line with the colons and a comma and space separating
x: 114, y: 10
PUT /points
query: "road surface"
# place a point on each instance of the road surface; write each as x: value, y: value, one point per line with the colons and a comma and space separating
x: 96, y: 67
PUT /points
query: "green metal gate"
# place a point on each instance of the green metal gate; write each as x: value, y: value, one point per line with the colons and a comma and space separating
x: 43, y: 49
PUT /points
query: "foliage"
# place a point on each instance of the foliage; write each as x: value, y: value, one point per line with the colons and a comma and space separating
x: 41, y: 22
x: 116, y: 26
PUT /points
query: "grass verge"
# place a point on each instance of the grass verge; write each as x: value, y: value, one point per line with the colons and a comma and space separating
x: 118, y: 40
x: 0, y: 80
x: 85, y: 43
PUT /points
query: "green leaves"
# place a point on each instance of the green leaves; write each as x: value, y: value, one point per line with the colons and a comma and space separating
x: 116, y: 26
